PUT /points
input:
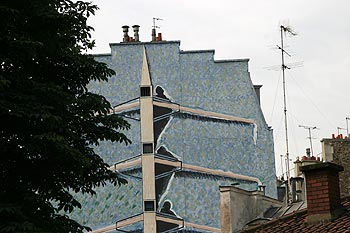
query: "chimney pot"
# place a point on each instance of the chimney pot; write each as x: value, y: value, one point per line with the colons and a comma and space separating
x: 136, y: 32
x: 308, y: 152
x: 125, y: 31
x: 322, y: 177
x: 154, y: 37
x: 159, y: 37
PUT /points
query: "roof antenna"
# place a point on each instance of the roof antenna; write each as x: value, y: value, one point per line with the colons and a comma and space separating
x: 284, y: 30
x: 340, y: 128
x: 347, y: 126
x: 309, y: 128
x: 154, y: 34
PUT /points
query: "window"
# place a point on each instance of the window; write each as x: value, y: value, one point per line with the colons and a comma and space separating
x: 149, y: 205
x: 147, y: 148
x: 145, y: 91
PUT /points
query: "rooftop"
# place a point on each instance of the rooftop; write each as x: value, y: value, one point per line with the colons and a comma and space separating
x: 295, y: 222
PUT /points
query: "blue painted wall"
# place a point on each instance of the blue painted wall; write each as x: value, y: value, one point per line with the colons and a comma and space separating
x: 191, y: 79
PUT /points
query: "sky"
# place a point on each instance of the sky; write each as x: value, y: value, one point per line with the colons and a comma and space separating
x: 317, y: 85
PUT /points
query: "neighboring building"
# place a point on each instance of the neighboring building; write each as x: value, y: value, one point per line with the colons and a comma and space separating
x: 325, y: 211
x: 196, y: 124
x: 240, y: 207
x: 319, y: 197
x: 337, y: 150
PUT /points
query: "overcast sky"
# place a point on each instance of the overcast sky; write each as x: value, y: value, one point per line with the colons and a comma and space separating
x: 317, y: 92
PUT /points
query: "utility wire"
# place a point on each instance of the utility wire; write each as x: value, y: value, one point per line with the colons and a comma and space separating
x: 309, y: 98
x: 279, y: 128
x: 276, y: 92
x: 292, y: 124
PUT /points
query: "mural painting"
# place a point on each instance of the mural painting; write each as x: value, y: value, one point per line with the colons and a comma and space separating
x: 207, y: 130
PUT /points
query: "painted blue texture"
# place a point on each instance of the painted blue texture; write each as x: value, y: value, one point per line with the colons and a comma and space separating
x: 104, y: 208
x: 191, y: 79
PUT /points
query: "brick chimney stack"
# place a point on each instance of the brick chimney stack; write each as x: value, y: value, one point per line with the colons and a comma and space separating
x: 322, y: 191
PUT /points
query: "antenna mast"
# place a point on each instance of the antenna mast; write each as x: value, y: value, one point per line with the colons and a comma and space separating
x: 154, y: 27
x: 283, y: 30
x: 340, y: 128
x: 309, y: 128
x: 284, y: 67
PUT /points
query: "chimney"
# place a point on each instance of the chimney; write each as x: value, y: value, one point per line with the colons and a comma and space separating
x: 297, y: 165
x: 257, y: 91
x: 159, y: 37
x: 154, y: 34
x: 322, y: 191
x: 136, y: 32
x: 234, y: 201
x: 308, y: 152
x: 298, y: 189
x: 126, y: 36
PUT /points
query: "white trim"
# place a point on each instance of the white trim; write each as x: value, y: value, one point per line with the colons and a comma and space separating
x: 221, y: 173
x: 202, y: 227
x: 191, y: 167
x: 161, y: 218
x: 124, y: 107
x: 200, y: 112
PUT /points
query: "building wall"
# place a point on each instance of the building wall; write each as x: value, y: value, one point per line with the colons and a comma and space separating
x: 192, y: 79
x: 234, y: 212
x: 338, y: 151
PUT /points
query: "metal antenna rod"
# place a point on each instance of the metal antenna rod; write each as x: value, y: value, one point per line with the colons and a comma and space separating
x: 282, y: 165
x: 285, y: 100
x: 347, y: 126
x: 154, y: 22
x: 285, y: 29
x: 309, y: 128
x: 154, y: 33
x: 340, y: 128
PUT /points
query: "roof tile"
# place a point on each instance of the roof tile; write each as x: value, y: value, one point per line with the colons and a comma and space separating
x: 295, y: 222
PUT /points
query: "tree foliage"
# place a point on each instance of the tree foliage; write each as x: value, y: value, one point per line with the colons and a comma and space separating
x: 49, y: 120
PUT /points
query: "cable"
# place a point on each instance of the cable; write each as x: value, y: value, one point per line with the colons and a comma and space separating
x: 302, y: 90
x: 292, y: 128
x: 276, y: 91
x: 279, y: 126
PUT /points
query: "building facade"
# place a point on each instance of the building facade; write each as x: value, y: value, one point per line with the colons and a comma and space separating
x: 337, y: 150
x: 196, y: 124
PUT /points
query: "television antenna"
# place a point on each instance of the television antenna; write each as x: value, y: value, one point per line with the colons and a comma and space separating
x: 154, y: 22
x: 283, y: 31
x: 309, y: 128
x: 340, y: 128
x: 154, y: 28
x: 288, y: 66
